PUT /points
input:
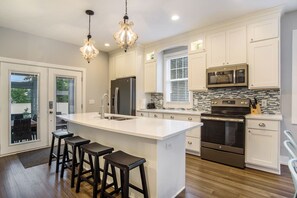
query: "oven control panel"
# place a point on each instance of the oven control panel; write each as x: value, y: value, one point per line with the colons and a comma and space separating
x: 230, y: 102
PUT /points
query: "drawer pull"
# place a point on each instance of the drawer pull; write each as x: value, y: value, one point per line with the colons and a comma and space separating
x: 155, y: 116
x: 171, y: 117
x: 262, y: 124
x: 141, y: 114
x: 189, y: 118
x: 189, y: 142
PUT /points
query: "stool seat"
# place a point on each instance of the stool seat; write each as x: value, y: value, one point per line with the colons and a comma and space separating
x: 95, y: 148
x: 62, y: 133
x: 76, y: 141
x: 119, y: 158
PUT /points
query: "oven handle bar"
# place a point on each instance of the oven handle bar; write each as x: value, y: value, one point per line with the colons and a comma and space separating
x: 222, y: 119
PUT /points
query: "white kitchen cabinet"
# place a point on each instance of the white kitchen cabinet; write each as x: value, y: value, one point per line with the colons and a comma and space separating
x: 197, y: 71
x: 262, y: 145
x: 156, y: 115
x: 153, y: 75
x: 125, y: 64
x: 263, y: 30
x: 193, y: 137
x: 142, y: 114
x: 112, y: 69
x: 227, y: 47
x: 264, y: 71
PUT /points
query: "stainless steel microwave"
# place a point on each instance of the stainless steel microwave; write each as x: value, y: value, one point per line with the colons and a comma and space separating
x: 227, y: 76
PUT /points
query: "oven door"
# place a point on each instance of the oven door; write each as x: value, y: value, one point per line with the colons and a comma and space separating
x: 221, y: 133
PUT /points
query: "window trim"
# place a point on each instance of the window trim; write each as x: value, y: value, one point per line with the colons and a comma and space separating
x: 166, y: 80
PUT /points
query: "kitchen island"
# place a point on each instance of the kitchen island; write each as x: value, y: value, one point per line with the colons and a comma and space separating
x: 160, y: 142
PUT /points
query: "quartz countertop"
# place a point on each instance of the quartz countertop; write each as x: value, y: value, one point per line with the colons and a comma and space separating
x: 277, y: 117
x: 151, y: 128
x: 184, y: 112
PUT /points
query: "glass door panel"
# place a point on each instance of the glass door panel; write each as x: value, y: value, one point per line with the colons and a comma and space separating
x: 24, y: 103
x: 65, y: 100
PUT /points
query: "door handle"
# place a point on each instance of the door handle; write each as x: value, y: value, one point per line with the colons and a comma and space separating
x: 51, y: 112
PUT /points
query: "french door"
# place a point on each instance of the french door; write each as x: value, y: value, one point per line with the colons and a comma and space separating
x: 23, y: 116
x: 31, y: 97
x: 65, y: 96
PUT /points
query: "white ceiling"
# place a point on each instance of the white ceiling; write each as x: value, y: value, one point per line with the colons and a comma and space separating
x: 65, y: 20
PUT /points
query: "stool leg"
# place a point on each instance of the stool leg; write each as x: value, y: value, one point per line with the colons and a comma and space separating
x: 58, y: 155
x: 74, y: 148
x: 122, y: 183
x: 114, y: 177
x: 143, y: 181
x: 51, y: 152
x: 96, y: 177
x: 103, y: 185
x: 126, y: 184
x: 80, y: 170
x: 91, y: 165
x: 63, y: 160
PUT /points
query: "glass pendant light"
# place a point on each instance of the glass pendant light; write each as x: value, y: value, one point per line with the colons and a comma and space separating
x: 88, y: 50
x: 125, y: 37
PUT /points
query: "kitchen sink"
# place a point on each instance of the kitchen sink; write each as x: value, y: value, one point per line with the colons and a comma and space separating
x: 117, y: 118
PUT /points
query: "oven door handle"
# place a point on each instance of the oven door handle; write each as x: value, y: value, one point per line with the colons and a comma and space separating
x: 223, y: 119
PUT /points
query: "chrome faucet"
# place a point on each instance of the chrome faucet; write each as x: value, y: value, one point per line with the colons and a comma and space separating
x: 102, y: 104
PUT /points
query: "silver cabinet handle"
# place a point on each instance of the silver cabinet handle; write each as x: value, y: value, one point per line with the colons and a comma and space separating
x: 190, y: 142
x: 189, y: 118
x: 141, y: 114
x: 155, y: 116
x: 262, y: 124
x: 227, y: 63
x: 171, y: 117
x: 252, y: 40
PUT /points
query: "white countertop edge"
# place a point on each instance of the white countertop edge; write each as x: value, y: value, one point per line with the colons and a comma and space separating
x: 167, y: 111
x: 129, y: 133
x: 276, y: 117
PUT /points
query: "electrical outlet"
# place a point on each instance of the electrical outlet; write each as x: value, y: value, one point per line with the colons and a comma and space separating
x: 195, y: 101
x: 264, y: 103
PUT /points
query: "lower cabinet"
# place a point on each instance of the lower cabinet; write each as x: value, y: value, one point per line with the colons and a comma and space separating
x: 142, y: 114
x: 193, y: 137
x: 262, y: 145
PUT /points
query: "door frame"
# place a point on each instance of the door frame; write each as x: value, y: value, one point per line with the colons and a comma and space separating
x: 42, y: 65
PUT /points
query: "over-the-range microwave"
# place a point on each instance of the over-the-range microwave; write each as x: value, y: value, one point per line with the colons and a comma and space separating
x: 227, y: 76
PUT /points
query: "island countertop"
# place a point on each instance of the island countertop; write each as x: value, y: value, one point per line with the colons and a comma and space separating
x: 151, y: 128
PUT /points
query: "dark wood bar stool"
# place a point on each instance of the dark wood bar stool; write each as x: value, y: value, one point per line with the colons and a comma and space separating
x: 59, y: 134
x: 75, y: 142
x: 96, y: 150
x: 125, y: 163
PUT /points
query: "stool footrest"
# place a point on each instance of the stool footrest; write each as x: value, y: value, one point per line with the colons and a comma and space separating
x: 136, y: 188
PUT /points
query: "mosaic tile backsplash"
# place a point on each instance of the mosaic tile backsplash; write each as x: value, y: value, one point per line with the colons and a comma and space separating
x: 271, y: 95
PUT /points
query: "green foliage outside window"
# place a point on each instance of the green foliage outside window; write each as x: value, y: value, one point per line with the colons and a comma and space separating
x: 19, y: 95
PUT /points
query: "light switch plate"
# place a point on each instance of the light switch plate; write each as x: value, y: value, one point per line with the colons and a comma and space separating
x: 264, y: 103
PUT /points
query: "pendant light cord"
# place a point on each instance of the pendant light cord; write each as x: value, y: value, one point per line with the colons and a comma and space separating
x: 89, y: 35
x: 126, y: 12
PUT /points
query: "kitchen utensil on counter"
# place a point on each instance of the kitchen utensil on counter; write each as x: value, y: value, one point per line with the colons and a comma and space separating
x: 151, y: 105
x: 255, y: 107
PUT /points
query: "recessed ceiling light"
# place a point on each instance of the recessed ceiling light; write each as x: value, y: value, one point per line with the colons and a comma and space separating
x: 174, y: 17
x: 107, y: 45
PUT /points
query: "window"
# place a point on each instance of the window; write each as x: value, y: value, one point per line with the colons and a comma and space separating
x: 177, y: 94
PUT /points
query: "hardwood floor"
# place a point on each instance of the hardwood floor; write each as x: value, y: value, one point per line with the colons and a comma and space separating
x: 203, y: 179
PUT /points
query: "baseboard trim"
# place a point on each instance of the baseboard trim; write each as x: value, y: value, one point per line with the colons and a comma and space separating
x: 179, y: 191
x: 284, y: 160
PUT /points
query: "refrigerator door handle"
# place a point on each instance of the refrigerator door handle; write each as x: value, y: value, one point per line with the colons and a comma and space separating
x: 116, y: 100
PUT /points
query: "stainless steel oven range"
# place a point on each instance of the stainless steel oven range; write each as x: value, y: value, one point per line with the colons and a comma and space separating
x: 223, y: 131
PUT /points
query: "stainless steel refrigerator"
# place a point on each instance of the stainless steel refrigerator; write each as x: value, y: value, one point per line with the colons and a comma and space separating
x: 123, y: 96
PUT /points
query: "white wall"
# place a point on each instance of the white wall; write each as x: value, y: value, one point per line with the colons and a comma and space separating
x: 19, y: 45
x: 288, y: 24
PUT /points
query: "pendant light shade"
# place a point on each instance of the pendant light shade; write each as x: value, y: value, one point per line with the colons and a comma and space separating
x: 88, y: 50
x: 125, y: 37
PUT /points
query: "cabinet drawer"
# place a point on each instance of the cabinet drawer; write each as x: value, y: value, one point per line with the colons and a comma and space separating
x: 193, y: 144
x: 263, y: 124
x: 156, y: 115
x: 142, y: 114
x: 182, y: 117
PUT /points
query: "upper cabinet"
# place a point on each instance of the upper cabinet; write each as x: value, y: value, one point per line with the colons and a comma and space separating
x: 263, y: 30
x: 125, y: 64
x: 153, y: 73
x: 227, y: 47
x: 197, y: 45
x: 263, y: 54
x: 197, y: 72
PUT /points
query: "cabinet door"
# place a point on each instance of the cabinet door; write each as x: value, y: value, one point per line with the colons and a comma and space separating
x: 142, y: 114
x: 261, y: 148
x: 150, y: 77
x: 112, y: 68
x: 236, y: 46
x: 264, y: 64
x: 197, y: 71
x: 130, y: 64
x: 156, y: 115
x: 216, y: 49
x: 120, y: 65
x: 263, y: 30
